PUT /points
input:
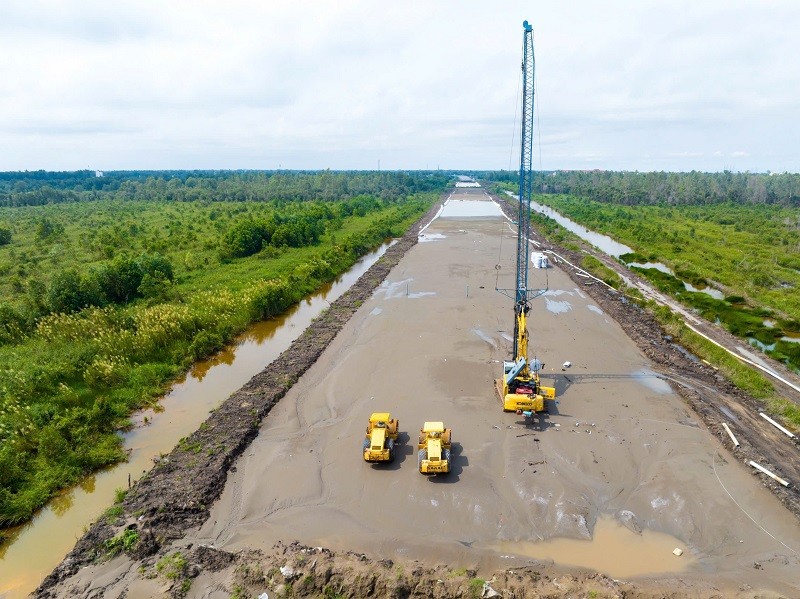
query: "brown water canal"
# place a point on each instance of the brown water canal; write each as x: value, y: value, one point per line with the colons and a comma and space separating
x: 31, y: 551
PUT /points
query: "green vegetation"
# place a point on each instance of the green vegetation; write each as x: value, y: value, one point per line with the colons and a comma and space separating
x: 239, y: 592
x: 476, y: 587
x: 737, y: 372
x: 109, y: 294
x: 634, y: 188
x: 172, y: 566
x: 125, y: 541
x: 752, y: 250
x: 601, y: 271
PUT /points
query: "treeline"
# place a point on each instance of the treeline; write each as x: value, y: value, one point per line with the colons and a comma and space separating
x: 303, y: 226
x: 659, y: 188
x: 42, y: 187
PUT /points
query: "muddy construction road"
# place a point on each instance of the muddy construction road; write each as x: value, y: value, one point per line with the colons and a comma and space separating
x: 621, y: 455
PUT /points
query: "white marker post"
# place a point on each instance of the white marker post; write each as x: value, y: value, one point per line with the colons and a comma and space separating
x: 776, y: 425
x: 768, y: 473
x: 730, y: 434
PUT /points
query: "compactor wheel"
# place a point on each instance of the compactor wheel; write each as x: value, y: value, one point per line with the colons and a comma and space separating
x: 421, y: 455
x: 390, y: 447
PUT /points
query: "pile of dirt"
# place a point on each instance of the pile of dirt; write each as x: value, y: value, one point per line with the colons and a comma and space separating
x: 177, y: 493
x: 296, y: 570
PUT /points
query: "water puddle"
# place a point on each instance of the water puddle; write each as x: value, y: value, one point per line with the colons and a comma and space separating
x: 425, y: 237
x: 557, y: 307
x: 558, y: 292
x: 595, y: 309
x: 715, y: 293
x: 614, y: 550
x: 652, y: 381
x: 471, y: 209
x: 728, y: 413
x: 401, y: 289
x: 485, y: 337
x: 31, y: 551
x: 656, y: 265
x: 765, y: 347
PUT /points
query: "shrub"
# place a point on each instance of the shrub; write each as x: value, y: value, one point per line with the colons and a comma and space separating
x: 244, y: 238
x: 70, y: 292
x: 5, y: 235
x: 125, y: 541
x: 205, y: 343
x: 106, y: 372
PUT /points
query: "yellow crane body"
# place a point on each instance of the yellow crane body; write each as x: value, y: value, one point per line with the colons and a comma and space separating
x: 519, y: 389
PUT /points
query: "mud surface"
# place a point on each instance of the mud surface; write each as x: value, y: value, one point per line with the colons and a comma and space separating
x: 426, y: 346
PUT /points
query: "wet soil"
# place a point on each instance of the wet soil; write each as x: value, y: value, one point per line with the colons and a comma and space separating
x: 296, y: 570
x: 648, y: 463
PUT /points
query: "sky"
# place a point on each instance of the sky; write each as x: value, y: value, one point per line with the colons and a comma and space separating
x: 362, y: 84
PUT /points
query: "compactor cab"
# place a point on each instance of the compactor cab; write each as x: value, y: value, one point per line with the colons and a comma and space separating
x: 434, y: 448
x: 382, y: 432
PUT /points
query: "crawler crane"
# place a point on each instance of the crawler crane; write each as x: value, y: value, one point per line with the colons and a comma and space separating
x: 519, y: 389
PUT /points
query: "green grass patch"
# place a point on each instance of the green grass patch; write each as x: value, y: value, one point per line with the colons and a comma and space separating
x: 475, y: 587
x: 601, y: 271
x: 737, y: 372
x: 125, y: 541
x: 788, y: 411
x: 172, y: 566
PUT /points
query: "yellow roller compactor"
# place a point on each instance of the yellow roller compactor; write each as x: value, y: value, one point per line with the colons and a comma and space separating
x: 434, y: 448
x: 382, y: 432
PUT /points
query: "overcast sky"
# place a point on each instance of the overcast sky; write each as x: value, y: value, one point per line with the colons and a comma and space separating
x: 351, y: 84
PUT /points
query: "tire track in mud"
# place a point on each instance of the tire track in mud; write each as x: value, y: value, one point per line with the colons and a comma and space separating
x: 178, y: 492
x: 686, y: 374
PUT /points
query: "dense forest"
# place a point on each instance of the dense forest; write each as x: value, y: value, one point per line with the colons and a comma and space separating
x: 42, y: 187
x: 112, y: 286
x: 659, y: 188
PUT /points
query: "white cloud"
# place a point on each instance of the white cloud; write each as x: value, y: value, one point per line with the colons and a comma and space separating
x: 247, y: 84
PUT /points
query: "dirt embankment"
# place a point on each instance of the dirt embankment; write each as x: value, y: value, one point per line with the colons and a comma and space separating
x: 177, y: 493
x: 295, y: 570
x: 707, y: 392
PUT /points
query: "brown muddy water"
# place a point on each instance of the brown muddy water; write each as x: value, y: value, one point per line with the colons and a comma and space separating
x: 613, y: 549
x: 31, y: 551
